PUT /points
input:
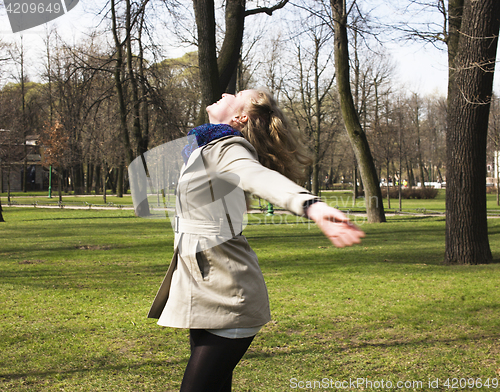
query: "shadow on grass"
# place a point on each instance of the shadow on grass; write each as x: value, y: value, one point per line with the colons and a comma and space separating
x: 348, y: 347
x: 406, y: 218
x: 121, y: 367
x: 258, y: 353
x: 81, y: 250
x: 254, y: 236
x: 414, y: 233
x: 98, y: 278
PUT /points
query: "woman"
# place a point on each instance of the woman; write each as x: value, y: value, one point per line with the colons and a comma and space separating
x: 214, y: 285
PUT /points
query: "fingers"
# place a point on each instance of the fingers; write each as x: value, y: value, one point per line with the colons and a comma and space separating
x: 334, y: 215
x: 349, y: 237
x: 335, y: 225
x: 342, y: 234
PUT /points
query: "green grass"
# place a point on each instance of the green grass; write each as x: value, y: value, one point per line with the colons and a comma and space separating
x: 76, y: 287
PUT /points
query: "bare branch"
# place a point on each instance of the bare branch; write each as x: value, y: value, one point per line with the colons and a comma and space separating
x: 267, y: 10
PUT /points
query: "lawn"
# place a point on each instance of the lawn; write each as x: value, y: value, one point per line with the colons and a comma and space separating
x: 77, y: 284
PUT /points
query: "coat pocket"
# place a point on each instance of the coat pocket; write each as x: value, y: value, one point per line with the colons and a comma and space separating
x: 203, y: 257
x: 203, y: 265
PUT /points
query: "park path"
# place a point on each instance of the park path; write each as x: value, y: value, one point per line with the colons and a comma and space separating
x: 112, y: 206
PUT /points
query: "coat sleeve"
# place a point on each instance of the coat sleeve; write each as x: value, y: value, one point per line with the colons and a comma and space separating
x: 237, y: 156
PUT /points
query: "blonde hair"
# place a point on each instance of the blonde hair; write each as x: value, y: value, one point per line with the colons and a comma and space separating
x: 278, y: 146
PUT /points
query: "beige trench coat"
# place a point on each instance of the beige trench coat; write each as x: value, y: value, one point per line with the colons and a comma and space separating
x: 214, y: 280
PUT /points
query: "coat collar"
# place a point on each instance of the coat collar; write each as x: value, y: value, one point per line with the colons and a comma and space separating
x: 204, y: 134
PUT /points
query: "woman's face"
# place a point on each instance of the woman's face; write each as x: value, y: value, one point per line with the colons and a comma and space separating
x: 230, y: 108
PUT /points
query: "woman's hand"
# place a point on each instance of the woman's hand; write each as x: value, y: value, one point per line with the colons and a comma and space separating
x: 335, y: 225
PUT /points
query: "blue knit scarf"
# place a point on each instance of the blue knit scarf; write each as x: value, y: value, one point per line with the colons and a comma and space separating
x: 205, y: 134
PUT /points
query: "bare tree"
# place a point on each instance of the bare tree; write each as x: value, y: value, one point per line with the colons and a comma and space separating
x: 373, y: 75
x: 373, y: 196
x: 217, y: 69
x: 310, y: 98
x: 18, y: 55
x: 435, y: 124
x: 472, y: 63
x: 3, y: 58
x: 127, y: 75
x: 470, y: 31
x: 416, y: 110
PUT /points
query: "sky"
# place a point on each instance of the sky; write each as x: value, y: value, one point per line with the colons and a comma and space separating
x: 419, y: 68
x: 425, y: 69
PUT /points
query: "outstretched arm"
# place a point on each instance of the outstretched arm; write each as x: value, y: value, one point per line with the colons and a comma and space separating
x: 335, y: 225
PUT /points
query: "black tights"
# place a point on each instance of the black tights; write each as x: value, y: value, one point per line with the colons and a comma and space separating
x: 213, y: 358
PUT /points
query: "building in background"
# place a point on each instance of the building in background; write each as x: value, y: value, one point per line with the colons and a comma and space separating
x: 12, y: 164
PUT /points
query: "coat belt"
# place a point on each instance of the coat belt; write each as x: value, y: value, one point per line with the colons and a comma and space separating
x: 205, y: 227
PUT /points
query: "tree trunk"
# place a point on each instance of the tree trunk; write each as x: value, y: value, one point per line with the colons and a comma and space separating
x: 317, y: 130
x: 229, y: 56
x: 373, y: 196
x: 455, y: 11
x: 315, y: 178
x: 419, y: 149
x: 112, y: 180
x: 308, y: 184
x: 388, y: 189
x: 207, y: 55
x: 355, y: 183
x: 409, y: 170
x: 469, y: 89
x: 439, y: 176
x: 88, y: 183
x: 141, y: 209
x: 144, y: 145
x: 136, y: 112
x: 23, y: 123
x: 497, y: 172
x: 1, y: 212
x: 216, y: 73
x: 119, y: 87
x: 119, y: 180
x: 97, y: 179
x: 77, y: 178
x: 104, y: 180
x: 59, y: 184
x: 8, y: 185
